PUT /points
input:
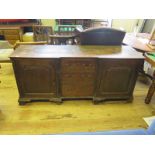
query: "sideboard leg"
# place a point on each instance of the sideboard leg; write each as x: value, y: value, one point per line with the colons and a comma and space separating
x: 96, y: 100
x: 130, y: 100
x: 58, y: 101
x: 23, y: 101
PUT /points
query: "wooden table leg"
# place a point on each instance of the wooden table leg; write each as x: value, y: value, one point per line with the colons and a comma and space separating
x: 150, y: 91
x: 0, y: 68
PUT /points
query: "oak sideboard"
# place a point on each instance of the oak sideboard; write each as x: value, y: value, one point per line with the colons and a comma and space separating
x: 56, y: 73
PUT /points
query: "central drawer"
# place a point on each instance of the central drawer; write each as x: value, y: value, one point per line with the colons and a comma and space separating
x: 78, y: 77
x: 77, y: 65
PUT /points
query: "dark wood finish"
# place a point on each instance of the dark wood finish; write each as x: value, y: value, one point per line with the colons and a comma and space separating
x: 78, y: 77
x: 63, y: 72
x: 150, y: 91
x: 117, y: 79
x: 152, y: 86
x: 139, y: 45
x: 101, y: 36
x: 65, y: 34
x: 18, y: 22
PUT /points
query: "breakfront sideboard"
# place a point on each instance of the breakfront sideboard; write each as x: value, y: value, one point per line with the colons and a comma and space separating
x: 56, y: 73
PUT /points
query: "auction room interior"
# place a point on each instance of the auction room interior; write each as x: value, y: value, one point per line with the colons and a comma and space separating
x: 77, y: 76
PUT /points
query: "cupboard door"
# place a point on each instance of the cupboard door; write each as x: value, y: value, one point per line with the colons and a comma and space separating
x: 37, y: 77
x: 116, y: 78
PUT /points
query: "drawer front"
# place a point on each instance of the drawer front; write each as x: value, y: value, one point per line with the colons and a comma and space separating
x: 78, y: 65
x: 1, y: 32
x: 12, y: 37
x: 11, y: 32
x: 78, y: 85
x: 78, y: 77
x: 68, y: 78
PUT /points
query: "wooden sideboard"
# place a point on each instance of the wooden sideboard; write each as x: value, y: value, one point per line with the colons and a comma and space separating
x: 56, y: 73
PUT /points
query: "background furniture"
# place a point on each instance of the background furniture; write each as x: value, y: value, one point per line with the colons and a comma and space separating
x: 11, y: 34
x: 13, y: 29
x: 18, y: 21
x: 65, y: 34
x: 101, y: 36
x: 86, y: 23
x: 67, y: 29
x: 138, y: 41
x: 152, y: 38
x: 41, y: 33
x: 150, y: 58
x: 101, y: 22
x: 151, y: 42
x: 61, y: 39
x: 24, y: 24
x: 62, y: 72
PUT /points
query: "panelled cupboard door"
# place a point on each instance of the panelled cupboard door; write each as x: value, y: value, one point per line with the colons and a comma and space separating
x: 116, y: 78
x: 37, y: 77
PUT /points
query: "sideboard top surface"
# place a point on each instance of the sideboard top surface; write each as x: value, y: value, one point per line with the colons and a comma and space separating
x: 69, y: 51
